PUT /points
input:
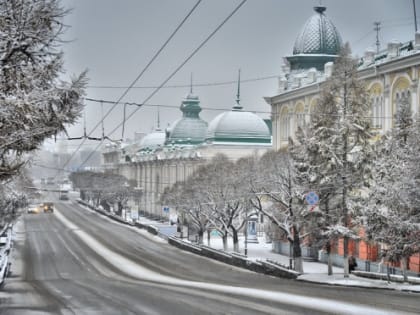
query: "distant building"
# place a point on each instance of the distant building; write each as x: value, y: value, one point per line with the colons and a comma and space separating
x: 162, y: 158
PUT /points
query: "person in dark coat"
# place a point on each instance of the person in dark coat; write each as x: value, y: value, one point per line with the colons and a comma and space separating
x: 352, y: 263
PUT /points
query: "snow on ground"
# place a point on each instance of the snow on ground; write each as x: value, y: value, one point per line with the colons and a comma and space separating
x: 313, y: 271
x: 131, y: 268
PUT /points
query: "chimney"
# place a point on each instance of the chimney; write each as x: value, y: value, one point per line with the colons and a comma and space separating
x: 282, y: 84
x: 417, y: 41
x: 328, y: 69
x: 393, y: 49
x: 312, y: 75
x: 369, y: 57
x: 297, y: 80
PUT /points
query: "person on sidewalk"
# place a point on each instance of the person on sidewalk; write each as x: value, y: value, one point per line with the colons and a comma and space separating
x: 352, y: 263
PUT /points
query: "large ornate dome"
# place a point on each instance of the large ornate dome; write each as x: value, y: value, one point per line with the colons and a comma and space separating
x: 318, y: 36
x: 190, y: 129
x: 238, y: 126
x: 318, y: 42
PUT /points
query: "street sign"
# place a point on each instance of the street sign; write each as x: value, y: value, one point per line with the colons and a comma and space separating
x: 215, y: 233
x: 165, y: 209
x: 134, y: 214
x: 312, y: 198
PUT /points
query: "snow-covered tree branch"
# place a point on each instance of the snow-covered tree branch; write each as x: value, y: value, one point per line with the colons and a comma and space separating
x: 34, y: 103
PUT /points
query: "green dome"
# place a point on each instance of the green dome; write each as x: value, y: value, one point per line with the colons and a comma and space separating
x: 190, y: 129
x: 238, y: 126
x: 318, y: 42
x: 153, y: 140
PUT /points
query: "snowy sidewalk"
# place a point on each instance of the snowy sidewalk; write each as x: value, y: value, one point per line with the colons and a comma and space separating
x: 313, y: 271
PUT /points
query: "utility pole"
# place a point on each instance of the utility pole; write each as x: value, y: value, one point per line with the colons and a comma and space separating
x: 377, y: 29
x: 415, y: 15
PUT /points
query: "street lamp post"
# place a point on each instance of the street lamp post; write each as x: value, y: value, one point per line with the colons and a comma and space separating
x: 246, y: 232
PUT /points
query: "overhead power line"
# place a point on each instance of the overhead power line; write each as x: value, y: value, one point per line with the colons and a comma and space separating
x: 164, y: 105
x: 175, y: 71
x: 175, y: 86
x: 139, y: 76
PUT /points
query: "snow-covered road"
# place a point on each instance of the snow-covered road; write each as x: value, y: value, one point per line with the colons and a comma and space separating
x: 75, y: 261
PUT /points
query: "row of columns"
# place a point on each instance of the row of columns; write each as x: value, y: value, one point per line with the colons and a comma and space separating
x: 152, y: 177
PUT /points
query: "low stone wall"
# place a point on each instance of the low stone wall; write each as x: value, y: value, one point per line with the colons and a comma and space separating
x: 381, y: 276
x: 235, y: 259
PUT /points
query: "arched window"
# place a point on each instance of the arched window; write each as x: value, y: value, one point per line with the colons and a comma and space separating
x: 401, y: 96
x: 299, y: 116
x: 284, y: 124
x: 377, y: 111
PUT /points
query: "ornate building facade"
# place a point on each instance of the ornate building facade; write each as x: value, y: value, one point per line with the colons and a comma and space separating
x: 162, y: 158
x: 391, y: 77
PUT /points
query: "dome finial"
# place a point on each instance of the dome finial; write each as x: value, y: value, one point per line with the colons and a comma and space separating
x: 320, y: 9
x: 238, y: 95
x: 158, y: 118
x: 191, y: 83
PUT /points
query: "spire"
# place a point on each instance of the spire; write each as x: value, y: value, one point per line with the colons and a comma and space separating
x: 190, y: 106
x: 191, y: 84
x: 158, y: 118
x: 238, y: 95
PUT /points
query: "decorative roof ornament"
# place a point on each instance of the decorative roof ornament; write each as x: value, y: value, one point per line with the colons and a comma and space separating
x: 238, y: 94
x: 191, y: 84
x: 320, y: 9
x: 158, y: 118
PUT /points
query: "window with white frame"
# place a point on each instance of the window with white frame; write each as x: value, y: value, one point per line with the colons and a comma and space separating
x: 285, y: 125
x: 300, y: 119
x: 378, y: 111
x: 402, y: 98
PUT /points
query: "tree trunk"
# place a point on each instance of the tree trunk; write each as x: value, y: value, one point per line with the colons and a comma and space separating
x: 225, y: 244
x: 345, y: 256
x: 208, y: 237
x: 200, y: 236
x: 235, y: 241
x: 297, y: 251
x: 404, y: 268
x: 330, y: 269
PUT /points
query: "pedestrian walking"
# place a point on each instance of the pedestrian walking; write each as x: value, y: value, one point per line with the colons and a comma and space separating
x: 352, y: 263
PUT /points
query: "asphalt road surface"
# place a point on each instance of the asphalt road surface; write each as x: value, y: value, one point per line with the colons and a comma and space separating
x: 76, y: 262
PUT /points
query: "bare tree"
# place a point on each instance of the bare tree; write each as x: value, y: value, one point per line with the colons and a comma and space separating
x: 187, y: 198
x: 102, y: 187
x: 275, y: 194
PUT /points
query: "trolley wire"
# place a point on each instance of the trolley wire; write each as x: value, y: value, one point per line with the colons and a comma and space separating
x: 195, y: 51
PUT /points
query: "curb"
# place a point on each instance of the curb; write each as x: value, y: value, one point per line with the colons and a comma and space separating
x: 357, y: 286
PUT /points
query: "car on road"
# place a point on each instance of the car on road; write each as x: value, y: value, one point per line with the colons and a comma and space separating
x: 48, y: 207
x: 33, y: 209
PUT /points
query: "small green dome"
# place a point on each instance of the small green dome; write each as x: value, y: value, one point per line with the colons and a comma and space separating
x: 190, y: 129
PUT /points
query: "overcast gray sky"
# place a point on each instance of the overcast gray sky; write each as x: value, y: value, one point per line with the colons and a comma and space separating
x: 114, y: 40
